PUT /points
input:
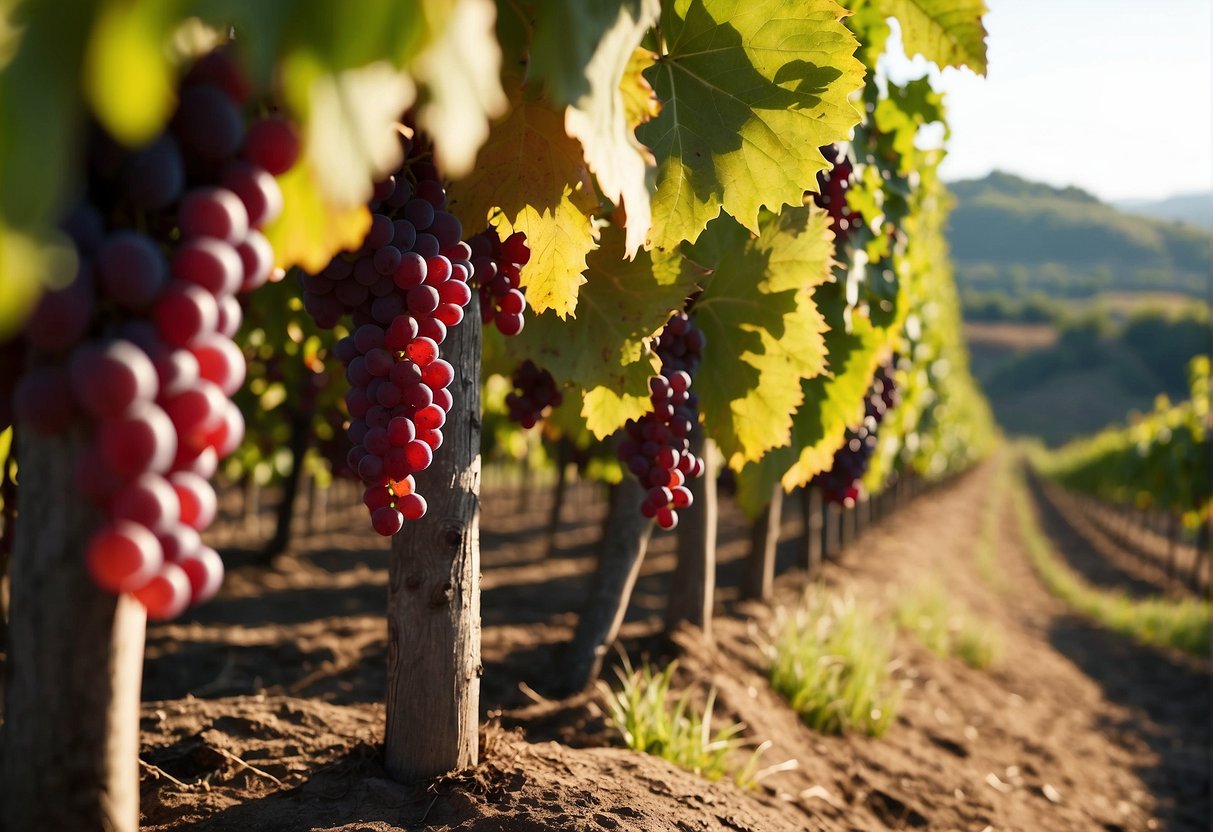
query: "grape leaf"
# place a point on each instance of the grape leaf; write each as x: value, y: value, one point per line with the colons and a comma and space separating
x: 530, y: 177
x: 750, y: 90
x: 837, y: 403
x: 460, y: 71
x: 640, y: 103
x: 764, y: 332
x: 582, y: 50
x: 620, y: 308
x: 128, y: 76
x: 606, y: 410
x: 310, y: 230
x: 948, y: 32
x: 349, y: 123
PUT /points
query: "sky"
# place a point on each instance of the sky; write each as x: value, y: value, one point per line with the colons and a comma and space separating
x: 1114, y: 96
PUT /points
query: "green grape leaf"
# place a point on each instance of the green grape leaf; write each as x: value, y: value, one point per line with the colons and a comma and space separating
x: 621, y: 307
x: 460, y: 72
x: 764, y: 332
x: 530, y: 177
x: 948, y: 32
x: 582, y: 51
x: 749, y: 90
x: 837, y: 403
x: 129, y: 77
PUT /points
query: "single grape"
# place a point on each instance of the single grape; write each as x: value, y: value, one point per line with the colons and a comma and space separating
x: 166, y: 594
x: 131, y: 269
x: 204, y: 568
x: 122, y: 556
x: 213, y: 212
x: 387, y: 521
x: 198, y: 502
x: 148, y: 500
x: 272, y: 143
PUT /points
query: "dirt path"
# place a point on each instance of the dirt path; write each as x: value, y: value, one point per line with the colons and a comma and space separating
x: 1074, y: 729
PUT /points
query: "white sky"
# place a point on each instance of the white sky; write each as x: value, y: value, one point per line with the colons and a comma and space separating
x: 1115, y: 96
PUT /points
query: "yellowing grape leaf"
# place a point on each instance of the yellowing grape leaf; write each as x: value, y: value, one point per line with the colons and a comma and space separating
x: 530, y: 177
x: 640, y: 103
x: 460, y: 72
x: 622, y: 305
x: 622, y: 165
x: 750, y: 89
x: 948, y: 32
x: 605, y: 410
x: 128, y: 75
x: 764, y: 332
x: 310, y: 230
x: 834, y: 402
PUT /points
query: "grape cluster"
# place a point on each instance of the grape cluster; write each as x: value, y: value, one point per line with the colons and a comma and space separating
x: 841, y: 483
x: 535, y: 392
x: 404, y: 288
x: 656, y: 448
x: 405, y: 264
x: 138, y: 346
x: 497, y: 269
x: 832, y: 187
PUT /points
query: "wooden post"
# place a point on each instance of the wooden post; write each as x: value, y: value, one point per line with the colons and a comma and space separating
x: 811, y: 503
x: 693, y: 588
x: 844, y: 528
x: 433, y: 685
x: 829, y: 534
x: 620, y: 554
x: 75, y: 659
x: 759, y: 577
x: 559, y: 494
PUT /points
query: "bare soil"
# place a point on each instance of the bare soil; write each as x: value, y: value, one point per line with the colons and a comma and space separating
x: 263, y: 710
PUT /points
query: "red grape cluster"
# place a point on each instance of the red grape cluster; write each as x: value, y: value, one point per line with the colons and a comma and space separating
x: 138, y: 346
x: 656, y: 447
x: 832, y: 187
x: 404, y: 288
x: 841, y: 484
x: 497, y: 269
x: 535, y: 392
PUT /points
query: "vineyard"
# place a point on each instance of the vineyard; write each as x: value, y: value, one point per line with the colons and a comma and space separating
x: 408, y: 416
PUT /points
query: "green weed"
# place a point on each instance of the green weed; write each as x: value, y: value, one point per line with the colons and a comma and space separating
x: 946, y: 629
x: 651, y: 719
x: 830, y: 658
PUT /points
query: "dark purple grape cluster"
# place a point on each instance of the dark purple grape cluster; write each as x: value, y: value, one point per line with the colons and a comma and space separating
x: 404, y: 288
x: 138, y: 345
x: 832, y: 187
x: 842, y: 483
x: 656, y: 448
x: 413, y: 248
x: 498, y: 268
x: 535, y: 393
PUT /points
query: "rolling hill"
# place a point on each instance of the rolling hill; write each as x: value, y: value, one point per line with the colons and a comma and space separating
x: 1014, y: 236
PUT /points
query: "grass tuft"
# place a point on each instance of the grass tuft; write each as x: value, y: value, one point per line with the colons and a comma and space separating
x: 651, y: 719
x: 830, y: 658
x: 946, y: 629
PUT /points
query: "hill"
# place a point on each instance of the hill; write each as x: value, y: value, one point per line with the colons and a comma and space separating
x: 1010, y: 235
x: 1194, y: 208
